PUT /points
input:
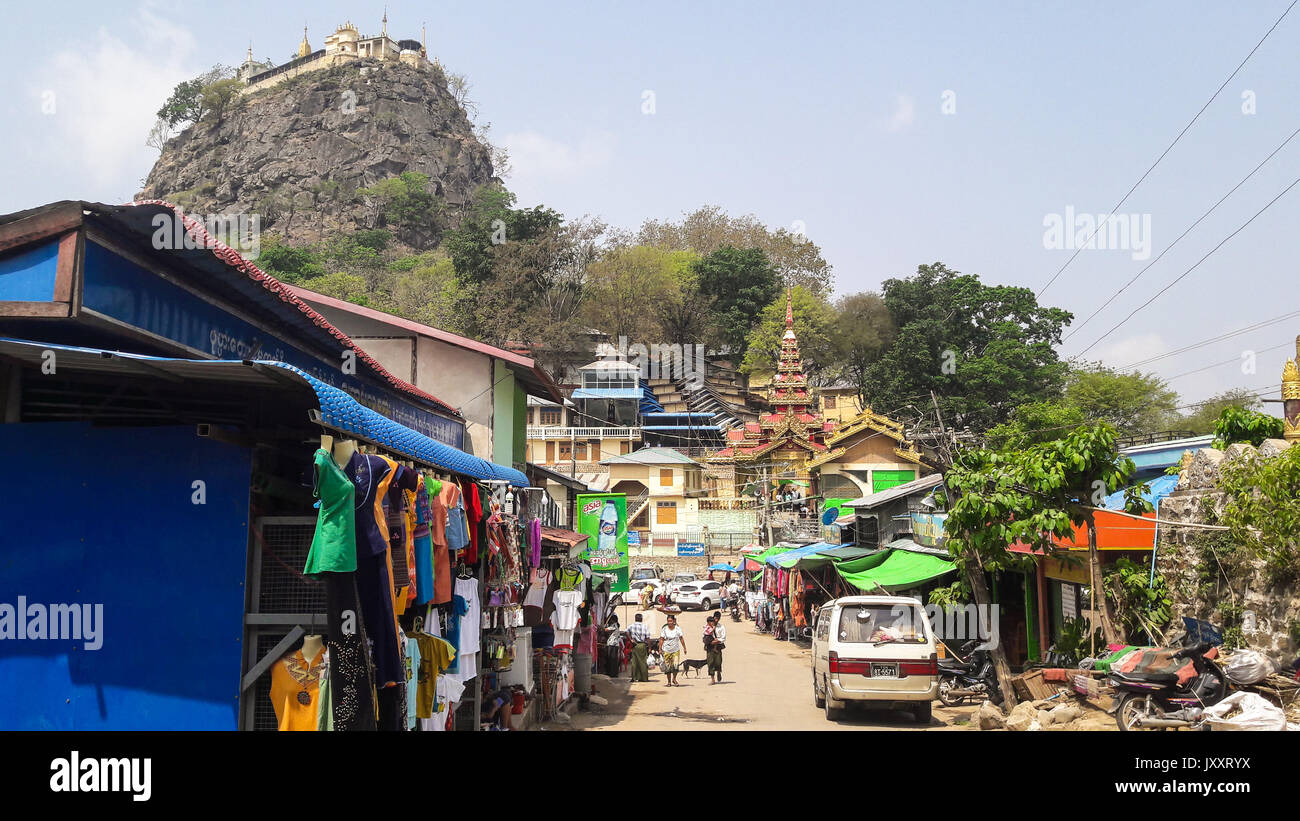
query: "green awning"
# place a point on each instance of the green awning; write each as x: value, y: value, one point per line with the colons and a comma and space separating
x: 899, y: 570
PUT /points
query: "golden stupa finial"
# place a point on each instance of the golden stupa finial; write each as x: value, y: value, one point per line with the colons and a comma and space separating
x: 304, y: 48
x: 1291, y: 396
x: 383, y: 31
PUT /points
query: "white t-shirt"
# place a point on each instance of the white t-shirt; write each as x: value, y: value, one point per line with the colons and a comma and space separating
x: 733, y: 589
x: 671, y: 639
x: 719, y: 632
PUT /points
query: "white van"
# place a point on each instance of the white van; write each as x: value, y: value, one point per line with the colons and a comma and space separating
x: 877, y: 649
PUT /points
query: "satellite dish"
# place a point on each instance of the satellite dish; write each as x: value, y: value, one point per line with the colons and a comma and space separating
x: 831, y: 514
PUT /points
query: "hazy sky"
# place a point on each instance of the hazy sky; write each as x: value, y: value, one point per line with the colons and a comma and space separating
x: 896, y: 134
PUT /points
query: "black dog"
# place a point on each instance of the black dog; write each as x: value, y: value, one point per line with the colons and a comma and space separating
x: 694, y: 664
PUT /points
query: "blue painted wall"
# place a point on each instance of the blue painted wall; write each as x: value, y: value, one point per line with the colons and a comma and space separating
x: 106, y: 516
x: 29, y: 276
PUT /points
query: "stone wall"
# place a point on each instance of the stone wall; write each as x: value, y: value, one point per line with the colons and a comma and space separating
x: 1178, y: 557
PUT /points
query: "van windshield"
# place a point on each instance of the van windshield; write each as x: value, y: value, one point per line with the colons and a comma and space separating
x: 881, y: 623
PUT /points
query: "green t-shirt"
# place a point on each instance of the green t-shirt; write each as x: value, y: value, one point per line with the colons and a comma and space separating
x: 334, y: 544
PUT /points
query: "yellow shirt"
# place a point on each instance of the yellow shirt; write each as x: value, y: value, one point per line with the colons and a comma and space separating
x: 435, y: 656
x: 293, y: 682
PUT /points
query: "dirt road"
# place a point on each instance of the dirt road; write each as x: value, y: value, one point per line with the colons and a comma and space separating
x: 766, y: 685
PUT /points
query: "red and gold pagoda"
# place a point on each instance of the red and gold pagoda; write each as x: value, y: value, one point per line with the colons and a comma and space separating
x: 793, y: 432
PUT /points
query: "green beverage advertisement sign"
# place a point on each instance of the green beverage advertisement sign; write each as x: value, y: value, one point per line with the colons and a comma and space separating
x: 603, y: 518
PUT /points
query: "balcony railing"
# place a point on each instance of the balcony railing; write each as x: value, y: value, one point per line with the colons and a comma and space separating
x: 557, y: 432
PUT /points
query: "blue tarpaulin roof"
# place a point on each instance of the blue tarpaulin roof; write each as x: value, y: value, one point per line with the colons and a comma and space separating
x: 606, y: 393
x: 724, y: 567
x: 1161, y: 486
x: 788, y: 558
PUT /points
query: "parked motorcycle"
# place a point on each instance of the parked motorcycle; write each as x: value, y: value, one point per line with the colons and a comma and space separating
x: 1155, y: 700
x: 735, y: 608
x: 976, y: 679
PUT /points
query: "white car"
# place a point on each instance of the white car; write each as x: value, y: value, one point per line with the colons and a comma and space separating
x: 704, y: 595
x: 878, y: 650
x: 677, y: 582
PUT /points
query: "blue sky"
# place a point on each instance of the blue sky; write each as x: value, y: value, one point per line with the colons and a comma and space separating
x: 829, y: 114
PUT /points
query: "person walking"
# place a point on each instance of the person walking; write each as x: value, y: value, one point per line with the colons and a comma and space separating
x: 672, y: 643
x: 716, y: 641
x: 640, y: 649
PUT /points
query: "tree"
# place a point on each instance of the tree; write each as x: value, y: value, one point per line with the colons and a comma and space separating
x: 984, y: 350
x: 796, y: 259
x: 1133, y: 403
x: 491, y: 221
x: 1261, y: 510
x: 862, y: 333
x: 159, y: 135
x: 1205, y: 415
x: 1239, y: 425
x: 217, y: 97
x: 186, y: 103
x: 459, y: 86
x: 684, y: 313
x: 1033, y: 496
x: 741, y: 283
x: 815, y: 324
x: 626, y: 284
x: 406, y: 204
x: 1033, y: 424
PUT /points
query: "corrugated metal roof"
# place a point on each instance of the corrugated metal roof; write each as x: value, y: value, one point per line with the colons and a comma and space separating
x: 651, y: 456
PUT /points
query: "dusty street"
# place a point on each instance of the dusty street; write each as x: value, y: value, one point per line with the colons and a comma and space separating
x: 766, y: 685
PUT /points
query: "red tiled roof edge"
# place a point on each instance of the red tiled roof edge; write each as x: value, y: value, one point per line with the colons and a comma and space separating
x: 232, y: 258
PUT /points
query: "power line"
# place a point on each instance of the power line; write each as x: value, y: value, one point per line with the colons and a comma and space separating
x: 1180, y: 277
x: 1212, y: 340
x: 1171, y: 145
x: 1286, y: 344
x: 1169, y: 247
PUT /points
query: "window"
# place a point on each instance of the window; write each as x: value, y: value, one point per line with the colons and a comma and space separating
x: 550, y: 416
x: 566, y: 451
x: 666, y: 514
x: 829, y: 401
x: 882, y: 623
x: 582, y: 452
x: 665, y: 477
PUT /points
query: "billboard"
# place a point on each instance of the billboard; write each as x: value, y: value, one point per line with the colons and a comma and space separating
x: 603, y: 518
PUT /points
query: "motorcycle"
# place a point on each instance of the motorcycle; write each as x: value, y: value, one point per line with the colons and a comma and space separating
x: 974, y: 679
x: 1155, y: 700
x: 735, y: 608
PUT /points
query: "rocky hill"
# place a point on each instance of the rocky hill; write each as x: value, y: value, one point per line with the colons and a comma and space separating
x: 301, y: 153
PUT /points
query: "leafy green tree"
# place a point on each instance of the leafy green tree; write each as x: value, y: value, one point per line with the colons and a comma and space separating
x: 218, y: 96
x: 287, y: 263
x: 1031, y: 496
x: 407, y: 205
x: 492, y: 221
x: 625, y: 284
x: 796, y: 259
x: 984, y: 350
x: 814, y: 323
x: 1205, y: 415
x: 1239, y: 425
x: 1133, y: 403
x: 1035, y: 423
x: 186, y: 103
x: 862, y: 333
x: 1261, y: 510
x: 741, y: 283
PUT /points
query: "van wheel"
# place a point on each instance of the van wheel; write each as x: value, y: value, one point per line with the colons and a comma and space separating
x: 817, y: 696
x: 833, y: 713
x: 921, y: 712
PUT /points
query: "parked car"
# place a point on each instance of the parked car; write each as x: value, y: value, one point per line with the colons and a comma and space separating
x: 877, y: 651
x: 641, y: 576
x: 677, y: 582
x: 703, y: 595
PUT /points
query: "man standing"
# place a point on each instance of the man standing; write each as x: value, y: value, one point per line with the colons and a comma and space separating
x: 640, y: 649
x: 672, y: 643
x: 718, y: 641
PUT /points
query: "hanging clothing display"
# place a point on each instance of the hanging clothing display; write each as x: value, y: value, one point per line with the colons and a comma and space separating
x: 295, y: 690
x: 565, y: 617
x: 333, y: 544
x: 423, y: 541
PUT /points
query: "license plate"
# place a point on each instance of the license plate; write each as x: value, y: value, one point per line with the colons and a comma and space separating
x: 884, y: 671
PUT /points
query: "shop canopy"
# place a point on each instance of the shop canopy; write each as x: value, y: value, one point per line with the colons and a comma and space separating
x: 336, y: 410
x: 834, y: 554
x: 787, y: 558
x: 725, y: 567
x: 898, y: 570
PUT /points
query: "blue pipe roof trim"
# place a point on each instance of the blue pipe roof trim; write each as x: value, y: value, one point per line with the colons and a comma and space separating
x: 341, y: 411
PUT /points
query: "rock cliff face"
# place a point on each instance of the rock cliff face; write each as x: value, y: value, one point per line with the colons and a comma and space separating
x: 298, y: 153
